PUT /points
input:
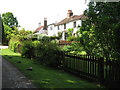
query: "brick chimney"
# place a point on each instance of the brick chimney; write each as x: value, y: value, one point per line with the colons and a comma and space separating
x: 45, y: 23
x: 70, y: 13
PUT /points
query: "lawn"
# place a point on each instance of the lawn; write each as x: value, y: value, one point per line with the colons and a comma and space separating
x: 46, y: 77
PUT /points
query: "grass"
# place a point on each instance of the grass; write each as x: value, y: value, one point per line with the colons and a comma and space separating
x: 45, y: 77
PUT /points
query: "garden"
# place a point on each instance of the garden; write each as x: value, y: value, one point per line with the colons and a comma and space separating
x: 93, y: 54
x: 43, y: 76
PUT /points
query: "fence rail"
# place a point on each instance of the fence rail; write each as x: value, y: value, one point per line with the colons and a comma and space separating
x: 106, y: 72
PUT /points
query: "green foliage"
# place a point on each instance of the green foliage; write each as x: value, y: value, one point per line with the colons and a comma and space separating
x: 42, y: 51
x: 9, y: 19
x: 70, y: 31
x: 67, y: 48
x: 71, y: 38
x: 43, y: 38
x: 44, y: 77
x: 27, y: 49
x: 1, y: 30
x: 102, y: 30
x: 75, y: 48
x: 9, y: 32
x: 60, y: 34
x: 54, y: 37
x: 10, y: 25
x: 87, y: 39
x: 48, y: 53
x: 13, y: 44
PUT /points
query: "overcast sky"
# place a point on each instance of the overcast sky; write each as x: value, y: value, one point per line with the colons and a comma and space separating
x: 30, y: 12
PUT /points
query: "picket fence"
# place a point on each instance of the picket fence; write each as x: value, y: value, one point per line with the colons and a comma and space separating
x: 103, y: 71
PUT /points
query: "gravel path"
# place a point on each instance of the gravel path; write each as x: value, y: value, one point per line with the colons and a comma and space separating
x: 13, y: 78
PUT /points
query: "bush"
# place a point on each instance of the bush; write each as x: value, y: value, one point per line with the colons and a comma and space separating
x: 47, y: 53
x: 43, y: 38
x: 27, y: 49
x: 67, y: 48
x: 14, y: 43
x: 71, y: 38
x: 54, y: 37
x: 42, y: 51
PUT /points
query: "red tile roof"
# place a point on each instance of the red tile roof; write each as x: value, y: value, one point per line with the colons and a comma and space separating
x: 38, y: 29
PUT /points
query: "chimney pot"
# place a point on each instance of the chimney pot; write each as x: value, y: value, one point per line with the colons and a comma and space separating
x: 70, y: 13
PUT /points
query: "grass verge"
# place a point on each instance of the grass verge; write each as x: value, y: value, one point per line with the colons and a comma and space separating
x: 45, y: 77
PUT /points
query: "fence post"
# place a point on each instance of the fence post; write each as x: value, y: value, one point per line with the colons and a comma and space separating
x: 101, y: 70
x: 62, y: 59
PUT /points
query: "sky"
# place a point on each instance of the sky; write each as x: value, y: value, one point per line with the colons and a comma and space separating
x: 30, y: 12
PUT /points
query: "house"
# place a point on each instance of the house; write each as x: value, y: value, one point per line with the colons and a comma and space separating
x: 42, y: 29
x: 52, y: 30
x: 71, y: 21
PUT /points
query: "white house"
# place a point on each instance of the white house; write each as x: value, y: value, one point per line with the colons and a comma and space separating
x: 71, y: 21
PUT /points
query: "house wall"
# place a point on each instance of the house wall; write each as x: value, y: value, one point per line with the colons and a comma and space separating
x: 70, y: 25
x: 53, y: 30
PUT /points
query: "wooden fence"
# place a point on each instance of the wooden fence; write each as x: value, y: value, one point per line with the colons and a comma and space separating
x: 64, y: 42
x: 105, y: 72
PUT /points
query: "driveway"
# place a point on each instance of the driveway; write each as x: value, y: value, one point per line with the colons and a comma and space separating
x: 13, y: 78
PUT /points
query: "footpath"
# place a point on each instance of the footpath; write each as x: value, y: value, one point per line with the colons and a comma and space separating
x: 10, y: 76
x: 13, y: 78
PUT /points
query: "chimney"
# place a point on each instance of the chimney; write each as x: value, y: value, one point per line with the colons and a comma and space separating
x: 70, y: 13
x: 45, y: 23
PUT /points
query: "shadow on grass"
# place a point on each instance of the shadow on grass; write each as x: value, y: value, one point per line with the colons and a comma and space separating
x: 47, y: 77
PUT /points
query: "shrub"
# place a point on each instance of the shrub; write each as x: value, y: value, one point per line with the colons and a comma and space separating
x: 47, y: 53
x: 60, y: 34
x: 13, y: 43
x: 71, y: 38
x: 54, y: 37
x: 42, y: 51
x: 43, y: 38
x: 27, y: 49
x: 67, y: 48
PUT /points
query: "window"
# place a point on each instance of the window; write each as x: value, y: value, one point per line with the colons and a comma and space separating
x: 74, y: 24
x: 58, y: 27
x: 50, y: 28
x: 64, y: 26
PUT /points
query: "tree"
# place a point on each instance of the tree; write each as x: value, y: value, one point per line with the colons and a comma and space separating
x: 9, y: 19
x: 0, y: 30
x: 104, y: 17
x: 2, y: 34
x: 10, y: 25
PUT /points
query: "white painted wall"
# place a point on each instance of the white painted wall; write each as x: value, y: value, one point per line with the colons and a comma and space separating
x: 54, y: 31
x: 51, y: 30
